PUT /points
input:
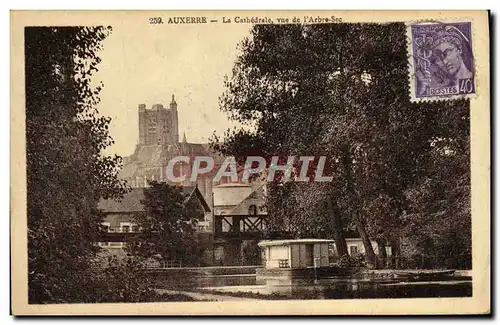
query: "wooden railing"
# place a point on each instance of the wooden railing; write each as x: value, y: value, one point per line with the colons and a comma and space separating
x: 239, y: 226
x: 133, y: 229
x: 164, y: 265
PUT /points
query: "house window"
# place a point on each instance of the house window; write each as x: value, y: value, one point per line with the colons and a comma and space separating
x: 252, y: 210
x: 126, y: 227
x: 105, y: 226
x: 353, y: 250
x: 283, y: 264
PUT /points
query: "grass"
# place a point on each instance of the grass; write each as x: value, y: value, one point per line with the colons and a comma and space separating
x: 240, y: 294
x: 174, y: 298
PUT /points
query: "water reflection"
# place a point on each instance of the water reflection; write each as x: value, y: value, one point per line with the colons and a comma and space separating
x: 332, y: 288
x: 340, y: 288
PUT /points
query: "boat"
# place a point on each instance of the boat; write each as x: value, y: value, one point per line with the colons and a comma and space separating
x: 423, y: 274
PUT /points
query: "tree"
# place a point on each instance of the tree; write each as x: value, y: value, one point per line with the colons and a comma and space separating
x: 439, y: 220
x: 304, y: 210
x: 168, y: 224
x: 340, y: 91
x: 66, y: 172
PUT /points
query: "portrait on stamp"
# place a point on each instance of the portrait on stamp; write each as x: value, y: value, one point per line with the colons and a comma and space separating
x: 443, y: 59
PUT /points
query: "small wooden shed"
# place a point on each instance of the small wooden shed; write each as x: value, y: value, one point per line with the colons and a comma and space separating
x: 295, y: 253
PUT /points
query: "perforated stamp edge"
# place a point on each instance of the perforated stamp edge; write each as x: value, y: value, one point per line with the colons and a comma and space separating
x: 411, y: 61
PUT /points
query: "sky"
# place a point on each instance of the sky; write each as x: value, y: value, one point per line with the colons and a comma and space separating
x: 147, y: 64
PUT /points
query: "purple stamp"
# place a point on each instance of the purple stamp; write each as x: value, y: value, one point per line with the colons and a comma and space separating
x: 443, y: 62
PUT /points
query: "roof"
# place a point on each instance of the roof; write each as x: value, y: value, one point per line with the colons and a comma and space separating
x: 230, y: 195
x: 155, y: 156
x: 196, y: 192
x: 256, y: 197
x: 131, y: 202
x: 284, y: 242
x: 237, y: 196
x: 129, y: 170
x: 353, y: 239
x: 233, y: 185
x: 151, y: 155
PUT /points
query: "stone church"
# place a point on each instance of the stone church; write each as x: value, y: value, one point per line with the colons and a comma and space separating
x: 158, y: 143
x: 225, y: 203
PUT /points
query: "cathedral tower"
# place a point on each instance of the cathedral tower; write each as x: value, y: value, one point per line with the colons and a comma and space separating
x: 175, y: 119
x: 158, y: 125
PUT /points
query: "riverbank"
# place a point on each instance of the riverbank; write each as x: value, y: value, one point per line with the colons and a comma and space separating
x: 215, y: 284
x: 205, y: 295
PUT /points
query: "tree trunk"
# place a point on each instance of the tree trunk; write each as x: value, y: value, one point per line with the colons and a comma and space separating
x: 382, y: 253
x: 370, y: 254
x: 395, y: 254
x: 340, y: 243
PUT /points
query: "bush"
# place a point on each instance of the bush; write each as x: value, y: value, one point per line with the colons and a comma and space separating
x: 347, y: 261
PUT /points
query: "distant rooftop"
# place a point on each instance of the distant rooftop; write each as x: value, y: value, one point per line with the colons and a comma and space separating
x: 234, y: 185
x: 131, y: 201
x: 284, y: 242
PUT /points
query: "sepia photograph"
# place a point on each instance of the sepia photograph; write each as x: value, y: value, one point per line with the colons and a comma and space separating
x: 301, y: 158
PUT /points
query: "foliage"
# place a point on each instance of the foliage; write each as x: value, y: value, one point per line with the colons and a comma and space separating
x: 438, y: 222
x: 168, y: 225
x: 341, y: 91
x: 244, y: 294
x: 123, y: 280
x: 251, y: 253
x: 67, y: 174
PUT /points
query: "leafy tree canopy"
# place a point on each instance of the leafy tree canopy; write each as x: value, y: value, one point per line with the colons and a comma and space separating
x: 341, y: 91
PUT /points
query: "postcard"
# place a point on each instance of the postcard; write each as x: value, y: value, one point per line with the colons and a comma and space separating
x: 250, y: 162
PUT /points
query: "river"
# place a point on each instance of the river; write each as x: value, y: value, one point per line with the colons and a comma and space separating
x: 248, y: 285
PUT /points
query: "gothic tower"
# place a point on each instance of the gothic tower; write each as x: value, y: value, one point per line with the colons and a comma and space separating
x: 143, y: 124
x: 175, y: 120
x: 158, y: 125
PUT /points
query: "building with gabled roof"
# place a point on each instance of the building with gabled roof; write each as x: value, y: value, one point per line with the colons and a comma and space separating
x: 158, y: 144
x: 119, y: 215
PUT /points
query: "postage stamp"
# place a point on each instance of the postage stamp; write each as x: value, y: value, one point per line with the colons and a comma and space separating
x: 442, y: 64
